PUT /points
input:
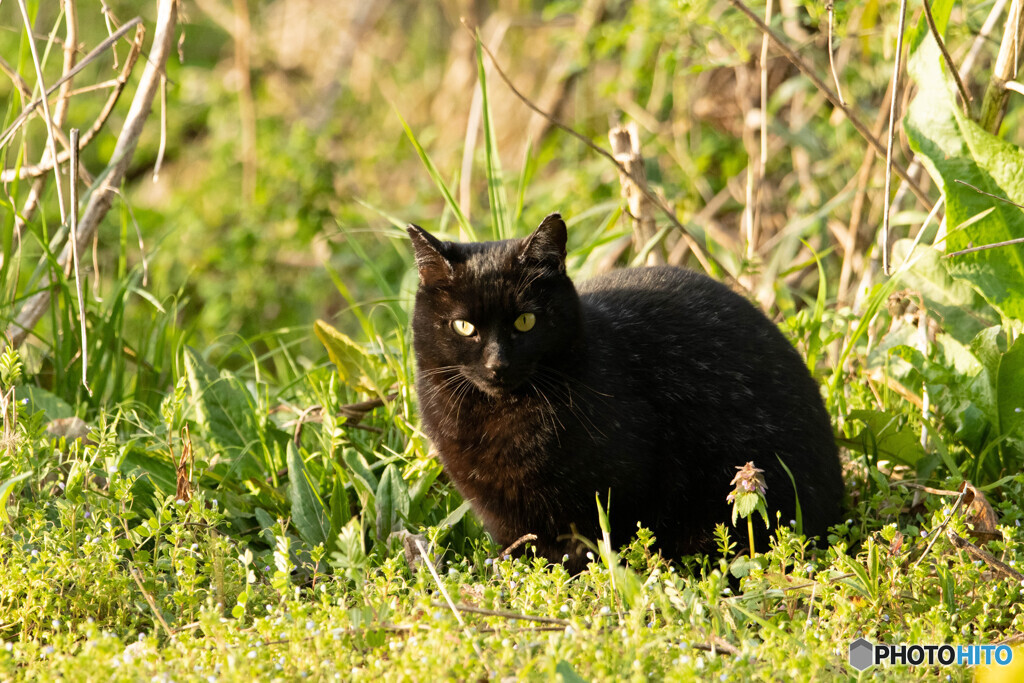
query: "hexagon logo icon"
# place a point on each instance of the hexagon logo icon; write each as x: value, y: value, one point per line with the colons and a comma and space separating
x: 862, y: 654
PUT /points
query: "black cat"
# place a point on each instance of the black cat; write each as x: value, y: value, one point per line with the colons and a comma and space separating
x: 651, y: 383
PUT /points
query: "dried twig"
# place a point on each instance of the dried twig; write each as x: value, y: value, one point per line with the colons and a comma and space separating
x: 853, y: 238
x: 1005, y: 69
x: 717, y: 645
x: 993, y: 245
x: 505, y: 614
x: 809, y: 73
x: 50, y: 138
x: 70, y: 47
x: 74, y: 258
x: 981, y: 40
x: 830, y: 6
x: 897, y: 67
x: 1012, y: 640
x: 137, y: 575
x: 926, y: 489
x: 525, y: 538
x: 448, y: 600
x: 988, y: 194
x: 625, y: 143
x: 118, y: 85
x: 996, y: 564
x: 88, y: 59
x: 984, y: 247
x: 101, y: 195
x: 937, y: 532
x: 704, y: 258
x: 965, y: 95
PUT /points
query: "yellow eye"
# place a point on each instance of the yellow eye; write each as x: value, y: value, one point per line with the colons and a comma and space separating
x: 463, y: 327
x: 525, y: 322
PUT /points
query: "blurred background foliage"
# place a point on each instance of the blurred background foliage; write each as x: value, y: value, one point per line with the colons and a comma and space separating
x: 284, y: 145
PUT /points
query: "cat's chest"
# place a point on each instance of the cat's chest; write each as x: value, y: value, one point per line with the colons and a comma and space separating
x: 490, y: 443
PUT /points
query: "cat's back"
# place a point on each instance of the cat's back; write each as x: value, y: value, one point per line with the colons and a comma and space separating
x: 676, y: 309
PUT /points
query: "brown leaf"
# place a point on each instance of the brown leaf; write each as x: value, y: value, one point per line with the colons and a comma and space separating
x: 184, y: 468
x: 980, y: 514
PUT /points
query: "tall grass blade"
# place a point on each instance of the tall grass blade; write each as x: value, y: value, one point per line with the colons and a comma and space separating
x: 449, y: 200
x: 500, y: 223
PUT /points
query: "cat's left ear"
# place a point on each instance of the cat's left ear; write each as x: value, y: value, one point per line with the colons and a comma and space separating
x: 547, y: 243
x: 434, y: 267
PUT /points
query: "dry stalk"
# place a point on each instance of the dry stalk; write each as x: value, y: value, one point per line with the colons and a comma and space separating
x: 1005, y: 69
x: 852, y: 239
x: 448, y: 599
x: 118, y: 84
x: 88, y: 59
x: 996, y: 564
x: 101, y: 193
x: 981, y: 39
x: 74, y: 257
x: 625, y: 142
x: 809, y: 73
x: 755, y: 174
x: 50, y: 124
x: 704, y: 258
x: 506, y: 614
x: 897, y: 67
x: 70, y: 45
x: 965, y: 95
x: 830, y: 6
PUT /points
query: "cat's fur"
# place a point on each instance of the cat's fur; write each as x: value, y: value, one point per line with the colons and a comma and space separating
x: 652, y: 383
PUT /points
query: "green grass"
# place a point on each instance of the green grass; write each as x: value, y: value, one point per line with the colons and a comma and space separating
x: 287, y: 560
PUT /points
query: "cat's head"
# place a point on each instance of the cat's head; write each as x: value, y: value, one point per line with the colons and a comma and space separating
x: 493, y: 312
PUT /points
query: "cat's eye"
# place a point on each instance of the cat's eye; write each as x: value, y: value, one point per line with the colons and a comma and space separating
x: 525, y: 322
x: 463, y: 327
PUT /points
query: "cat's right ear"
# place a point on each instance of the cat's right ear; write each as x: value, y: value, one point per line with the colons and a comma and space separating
x: 547, y: 243
x: 430, y: 260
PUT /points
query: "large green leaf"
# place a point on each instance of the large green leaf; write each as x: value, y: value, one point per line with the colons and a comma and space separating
x: 885, y: 437
x: 341, y: 513
x: 1011, y: 389
x: 52, y: 405
x: 953, y: 147
x: 308, y: 511
x: 392, y: 502
x: 226, y: 414
x: 356, y: 366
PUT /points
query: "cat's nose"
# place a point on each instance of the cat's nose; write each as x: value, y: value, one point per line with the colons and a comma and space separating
x: 495, y: 360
